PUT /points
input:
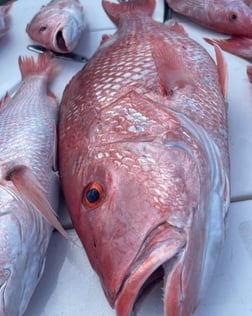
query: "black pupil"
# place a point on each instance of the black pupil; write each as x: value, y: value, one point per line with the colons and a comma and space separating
x: 92, y: 195
x: 233, y: 16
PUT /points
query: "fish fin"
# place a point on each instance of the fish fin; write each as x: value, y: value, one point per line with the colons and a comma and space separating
x: 239, y: 46
x: 169, y: 66
x: 249, y: 73
x: 176, y: 27
x: 43, y: 66
x: 51, y: 94
x: 222, y: 70
x: 30, y: 189
x: 5, y: 99
x: 116, y: 10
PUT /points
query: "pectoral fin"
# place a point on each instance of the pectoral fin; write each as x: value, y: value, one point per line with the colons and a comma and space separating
x: 170, y: 67
x: 30, y: 190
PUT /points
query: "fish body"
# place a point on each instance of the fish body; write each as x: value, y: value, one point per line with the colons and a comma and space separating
x: 143, y: 160
x: 225, y: 16
x: 58, y: 25
x: 28, y: 183
x: 4, y: 16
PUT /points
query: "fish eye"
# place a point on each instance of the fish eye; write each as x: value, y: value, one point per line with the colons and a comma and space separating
x: 233, y: 16
x: 42, y: 28
x: 93, y: 195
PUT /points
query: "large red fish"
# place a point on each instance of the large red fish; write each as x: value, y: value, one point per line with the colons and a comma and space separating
x: 143, y: 159
x: 225, y: 16
x: 28, y: 183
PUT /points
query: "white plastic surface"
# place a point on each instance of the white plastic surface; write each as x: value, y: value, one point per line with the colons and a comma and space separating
x: 69, y: 285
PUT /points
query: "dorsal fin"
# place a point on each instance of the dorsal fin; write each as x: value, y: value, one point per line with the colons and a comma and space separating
x: 43, y: 66
x: 30, y: 190
x: 222, y: 70
x: 116, y: 10
x: 170, y: 67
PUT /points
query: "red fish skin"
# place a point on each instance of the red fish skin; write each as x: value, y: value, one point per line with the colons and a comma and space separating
x: 224, y: 16
x: 118, y: 116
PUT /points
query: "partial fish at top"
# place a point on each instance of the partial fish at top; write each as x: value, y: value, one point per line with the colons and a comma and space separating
x: 224, y: 16
x: 143, y: 159
x: 58, y: 25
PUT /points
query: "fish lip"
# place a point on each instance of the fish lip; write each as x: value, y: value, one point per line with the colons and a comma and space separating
x: 163, y: 244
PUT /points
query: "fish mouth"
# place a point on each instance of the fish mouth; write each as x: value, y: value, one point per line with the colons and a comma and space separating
x: 154, y: 261
x: 60, y: 42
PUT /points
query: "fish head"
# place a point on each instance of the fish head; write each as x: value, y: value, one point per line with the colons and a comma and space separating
x: 20, y: 264
x: 232, y: 17
x: 58, y: 32
x: 133, y: 200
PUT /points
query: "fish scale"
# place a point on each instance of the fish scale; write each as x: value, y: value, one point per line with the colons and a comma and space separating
x: 144, y: 124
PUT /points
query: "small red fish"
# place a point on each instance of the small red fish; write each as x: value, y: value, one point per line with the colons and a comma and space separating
x: 225, y: 16
x: 58, y: 25
x: 143, y: 159
x: 28, y: 183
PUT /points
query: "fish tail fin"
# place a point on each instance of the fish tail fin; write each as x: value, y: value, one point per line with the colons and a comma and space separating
x: 116, y: 10
x: 43, y: 66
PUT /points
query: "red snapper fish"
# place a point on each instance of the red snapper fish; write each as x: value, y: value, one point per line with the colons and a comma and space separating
x: 143, y: 160
x: 58, y: 25
x: 225, y: 16
x: 4, y: 11
x: 28, y: 183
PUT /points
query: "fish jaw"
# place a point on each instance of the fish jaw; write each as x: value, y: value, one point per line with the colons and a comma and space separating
x: 21, y: 264
x: 165, y: 247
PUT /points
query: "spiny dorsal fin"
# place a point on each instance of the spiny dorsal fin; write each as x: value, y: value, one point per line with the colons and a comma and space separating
x: 43, y: 66
x: 30, y: 190
x: 116, y: 10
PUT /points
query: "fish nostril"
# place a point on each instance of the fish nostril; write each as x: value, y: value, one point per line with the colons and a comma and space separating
x: 61, y: 41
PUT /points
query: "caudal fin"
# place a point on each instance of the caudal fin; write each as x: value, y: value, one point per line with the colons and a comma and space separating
x: 116, y: 10
x: 44, y: 66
